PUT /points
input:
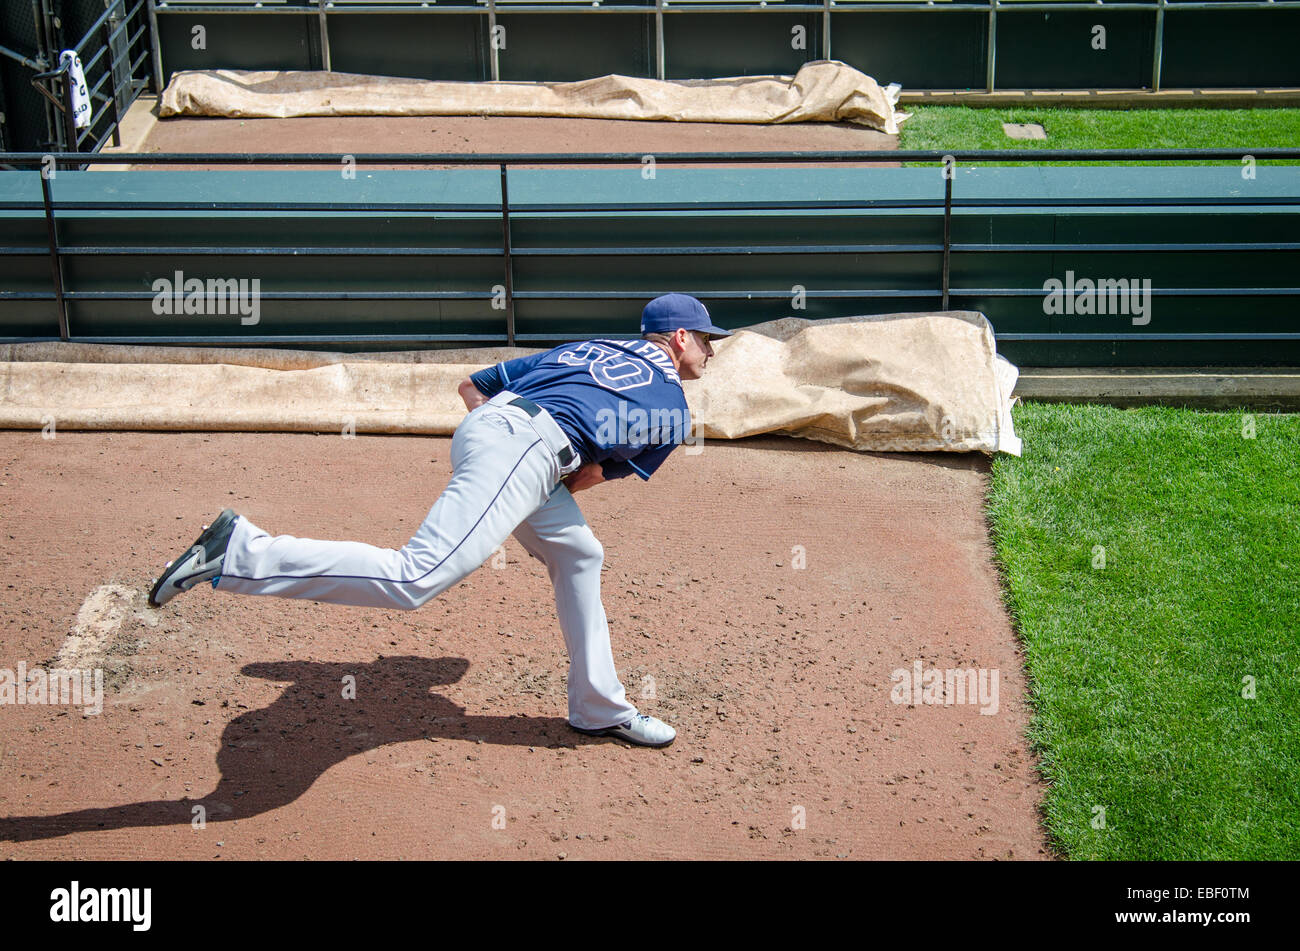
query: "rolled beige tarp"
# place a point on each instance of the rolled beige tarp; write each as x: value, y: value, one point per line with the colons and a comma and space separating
x: 822, y: 91
x: 895, y: 382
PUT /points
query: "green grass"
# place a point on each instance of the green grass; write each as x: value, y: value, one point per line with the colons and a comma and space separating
x: 1137, y: 668
x: 962, y: 127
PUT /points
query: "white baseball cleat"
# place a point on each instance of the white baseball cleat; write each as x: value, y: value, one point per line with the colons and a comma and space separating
x: 642, y: 730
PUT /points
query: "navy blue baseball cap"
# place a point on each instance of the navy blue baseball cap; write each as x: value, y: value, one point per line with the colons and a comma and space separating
x: 665, y: 314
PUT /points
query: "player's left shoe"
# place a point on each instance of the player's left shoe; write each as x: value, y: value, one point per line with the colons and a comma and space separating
x: 200, y: 562
x: 642, y: 730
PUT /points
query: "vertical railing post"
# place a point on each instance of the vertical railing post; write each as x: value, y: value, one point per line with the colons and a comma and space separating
x: 991, y: 61
x: 505, y: 247
x: 826, y: 29
x: 113, y: 63
x: 659, y: 40
x: 155, y: 48
x: 56, y: 262
x: 324, y: 37
x: 1158, y: 49
x: 492, y: 40
x: 948, y: 173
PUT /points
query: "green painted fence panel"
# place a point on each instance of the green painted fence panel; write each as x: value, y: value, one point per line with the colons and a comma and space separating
x: 558, y: 47
x: 748, y: 254
x: 708, y: 45
x: 1075, y: 49
x: 924, y: 48
x: 1246, y: 48
x: 417, y: 47
x: 237, y: 41
x: 918, y: 50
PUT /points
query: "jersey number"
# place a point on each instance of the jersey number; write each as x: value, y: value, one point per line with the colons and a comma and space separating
x: 613, y: 369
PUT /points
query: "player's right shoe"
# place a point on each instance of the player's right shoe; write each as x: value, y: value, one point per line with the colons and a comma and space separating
x: 641, y: 729
x: 200, y: 562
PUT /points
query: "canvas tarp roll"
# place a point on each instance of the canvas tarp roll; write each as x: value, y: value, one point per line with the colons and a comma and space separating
x: 822, y: 91
x: 894, y: 382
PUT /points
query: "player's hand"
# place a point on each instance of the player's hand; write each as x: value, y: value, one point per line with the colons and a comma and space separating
x: 470, y: 394
x: 584, y: 478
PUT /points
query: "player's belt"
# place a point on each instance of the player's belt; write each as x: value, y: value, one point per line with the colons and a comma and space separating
x: 565, y: 455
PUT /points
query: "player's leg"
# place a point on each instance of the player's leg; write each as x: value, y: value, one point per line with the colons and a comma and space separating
x: 502, y: 473
x: 558, y: 535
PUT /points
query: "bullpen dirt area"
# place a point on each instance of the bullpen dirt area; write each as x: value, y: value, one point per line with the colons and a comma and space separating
x: 765, y: 597
x: 485, y: 135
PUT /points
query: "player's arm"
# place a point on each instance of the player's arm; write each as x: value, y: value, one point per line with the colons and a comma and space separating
x: 584, y: 478
x: 470, y: 394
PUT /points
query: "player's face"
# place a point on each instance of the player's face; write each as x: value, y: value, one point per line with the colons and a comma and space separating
x: 696, y: 351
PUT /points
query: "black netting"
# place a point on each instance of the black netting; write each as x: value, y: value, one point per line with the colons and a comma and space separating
x: 30, y: 123
x: 26, y: 125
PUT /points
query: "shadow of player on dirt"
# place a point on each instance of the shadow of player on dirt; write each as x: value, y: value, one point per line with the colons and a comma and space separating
x: 271, y: 756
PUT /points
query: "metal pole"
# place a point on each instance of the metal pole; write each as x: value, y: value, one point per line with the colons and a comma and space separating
x: 29, y: 63
x: 46, y: 53
x: 69, y: 118
x: 826, y: 29
x: 947, y: 228
x: 155, y: 49
x: 324, y: 37
x: 56, y: 264
x: 659, y: 38
x: 505, y: 247
x: 1157, y: 53
x: 492, y: 40
x: 109, y: 24
x: 992, y: 58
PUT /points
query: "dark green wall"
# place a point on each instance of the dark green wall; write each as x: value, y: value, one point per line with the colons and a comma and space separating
x: 922, y: 49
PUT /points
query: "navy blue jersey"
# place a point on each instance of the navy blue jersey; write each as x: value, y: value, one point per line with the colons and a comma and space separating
x: 620, y: 402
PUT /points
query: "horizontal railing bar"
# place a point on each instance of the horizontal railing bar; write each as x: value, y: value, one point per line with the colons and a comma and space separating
x: 574, y: 337
x: 838, y: 7
x: 19, y: 57
x: 1148, y: 336
x: 94, y: 27
x: 127, y: 205
x: 636, y: 158
x: 296, y: 295
x: 500, y: 338
x: 280, y: 206
x: 1107, y: 248
x: 259, y: 252
x: 539, y: 209
x: 781, y: 294
x: 737, y: 250
x: 1155, y: 291
x: 920, y: 203
x: 918, y: 292
x: 273, y: 338
x: 658, y: 251
x: 719, y: 295
x: 902, y: 249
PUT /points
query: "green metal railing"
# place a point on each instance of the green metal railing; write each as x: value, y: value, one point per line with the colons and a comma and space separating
x: 905, y: 227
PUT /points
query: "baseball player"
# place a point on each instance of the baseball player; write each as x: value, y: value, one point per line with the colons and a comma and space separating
x: 540, y: 428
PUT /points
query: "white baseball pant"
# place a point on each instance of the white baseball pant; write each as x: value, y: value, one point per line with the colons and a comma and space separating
x: 506, y: 478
